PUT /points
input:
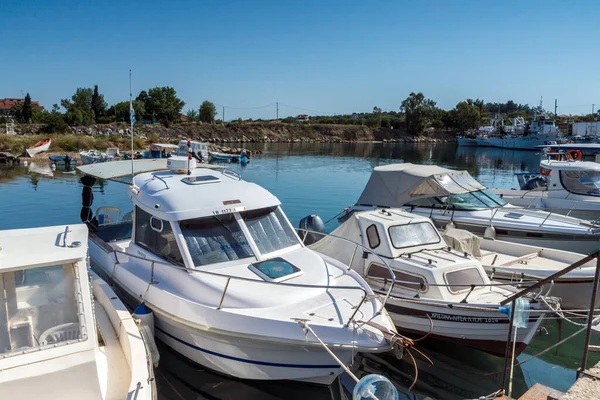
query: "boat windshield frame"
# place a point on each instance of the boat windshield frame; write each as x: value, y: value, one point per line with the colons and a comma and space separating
x: 484, y: 200
x: 257, y: 237
x: 563, y: 176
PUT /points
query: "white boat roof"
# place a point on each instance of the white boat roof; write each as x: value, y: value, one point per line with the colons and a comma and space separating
x: 206, y: 192
x: 163, y: 146
x: 118, y: 169
x: 397, y: 184
x: 570, y: 165
x: 48, y: 246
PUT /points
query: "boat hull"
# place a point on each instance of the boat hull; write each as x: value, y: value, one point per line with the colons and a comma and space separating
x: 485, y: 330
x: 466, y: 141
x: 39, y: 149
x: 524, y: 142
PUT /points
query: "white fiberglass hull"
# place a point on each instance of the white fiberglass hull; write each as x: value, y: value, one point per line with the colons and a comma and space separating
x: 233, y: 352
x: 561, y: 202
x: 485, y: 330
x: 36, y: 150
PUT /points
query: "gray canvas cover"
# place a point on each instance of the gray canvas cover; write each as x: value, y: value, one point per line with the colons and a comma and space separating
x: 463, y: 241
x: 397, y: 184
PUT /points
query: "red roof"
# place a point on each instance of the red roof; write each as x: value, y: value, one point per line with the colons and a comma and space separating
x: 8, y: 103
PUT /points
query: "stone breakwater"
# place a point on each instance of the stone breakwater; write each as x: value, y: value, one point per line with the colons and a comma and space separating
x: 250, y: 133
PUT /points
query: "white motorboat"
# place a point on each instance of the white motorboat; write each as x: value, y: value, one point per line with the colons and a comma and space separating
x: 438, y: 290
x: 39, y: 147
x: 63, y: 336
x: 95, y: 156
x: 199, y: 149
x: 161, y: 150
x: 447, y: 196
x: 520, y: 264
x: 229, y: 281
x: 563, y: 186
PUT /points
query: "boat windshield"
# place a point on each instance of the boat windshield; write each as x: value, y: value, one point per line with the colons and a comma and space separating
x: 41, y: 308
x: 269, y: 229
x: 473, y: 200
x: 409, y: 235
x: 215, y: 239
x: 581, y: 182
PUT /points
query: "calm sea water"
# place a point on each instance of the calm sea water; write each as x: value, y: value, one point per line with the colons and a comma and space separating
x: 321, y: 179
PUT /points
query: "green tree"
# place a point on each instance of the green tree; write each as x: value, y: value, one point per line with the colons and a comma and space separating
x: 98, y: 105
x: 377, y: 113
x: 79, y: 107
x: 468, y: 115
x: 192, y: 115
x: 120, y: 111
x: 161, y: 103
x: 208, y: 111
x: 27, y: 110
x: 418, y: 112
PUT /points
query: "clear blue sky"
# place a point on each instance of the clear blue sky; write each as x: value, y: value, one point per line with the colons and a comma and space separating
x: 326, y: 56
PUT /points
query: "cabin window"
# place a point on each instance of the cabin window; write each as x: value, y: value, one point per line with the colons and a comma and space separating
x: 462, y: 279
x: 269, y: 229
x: 215, y: 239
x: 403, y: 279
x: 40, y: 308
x: 425, y: 202
x: 373, y: 237
x: 416, y: 234
x: 581, y: 182
x: 156, y: 236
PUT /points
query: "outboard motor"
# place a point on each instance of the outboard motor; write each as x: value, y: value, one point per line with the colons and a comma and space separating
x: 312, y: 223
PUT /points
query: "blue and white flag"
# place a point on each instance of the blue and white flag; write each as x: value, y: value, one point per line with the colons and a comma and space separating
x: 131, y: 113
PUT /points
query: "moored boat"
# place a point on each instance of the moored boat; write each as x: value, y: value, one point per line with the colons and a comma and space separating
x: 39, y: 147
x: 229, y: 281
x: 62, y: 335
x: 437, y: 291
x: 217, y: 156
x: 63, y: 161
x: 448, y: 196
x: 95, y: 156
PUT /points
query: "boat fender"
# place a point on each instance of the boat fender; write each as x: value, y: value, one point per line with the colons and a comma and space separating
x: 450, y: 225
x: 315, y: 225
x: 490, y: 232
x: 145, y: 321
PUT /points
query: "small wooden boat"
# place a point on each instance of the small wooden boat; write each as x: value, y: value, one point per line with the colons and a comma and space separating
x: 223, y: 157
x: 39, y: 147
x: 66, y: 161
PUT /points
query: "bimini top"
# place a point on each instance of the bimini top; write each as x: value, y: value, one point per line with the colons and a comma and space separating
x: 175, y: 197
x: 570, y: 165
x: 51, y: 246
x: 397, y: 184
x: 118, y: 169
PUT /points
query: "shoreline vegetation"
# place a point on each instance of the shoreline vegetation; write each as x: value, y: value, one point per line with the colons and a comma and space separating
x: 219, y: 137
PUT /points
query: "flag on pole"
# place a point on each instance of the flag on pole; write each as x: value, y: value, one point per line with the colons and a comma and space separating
x: 131, y: 113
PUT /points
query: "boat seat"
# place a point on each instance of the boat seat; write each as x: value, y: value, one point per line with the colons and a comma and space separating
x: 61, y: 333
x: 108, y: 215
x: 112, y: 232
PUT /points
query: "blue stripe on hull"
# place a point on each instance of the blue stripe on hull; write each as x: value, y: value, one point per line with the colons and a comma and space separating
x: 270, y: 364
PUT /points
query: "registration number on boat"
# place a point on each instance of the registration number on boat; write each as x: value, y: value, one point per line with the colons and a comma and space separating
x: 229, y: 210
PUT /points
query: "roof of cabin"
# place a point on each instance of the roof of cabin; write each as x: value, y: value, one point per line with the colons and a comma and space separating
x: 175, y: 197
x: 395, y: 216
x: 49, y: 246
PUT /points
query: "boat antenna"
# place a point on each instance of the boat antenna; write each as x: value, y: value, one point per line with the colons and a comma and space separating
x: 132, y: 120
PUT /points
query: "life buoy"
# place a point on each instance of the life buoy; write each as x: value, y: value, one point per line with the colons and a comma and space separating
x: 575, y: 155
x: 545, y: 171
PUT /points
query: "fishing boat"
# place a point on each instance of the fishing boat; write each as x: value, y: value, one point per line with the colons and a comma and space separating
x: 160, y: 150
x: 39, y: 147
x: 454, y: 197
x: 528, y: 136
x: 466, y: 141
x: 199, y: 149
x: 63, y: 161
x: 438, y: 291
x: 95, y: 156
x: 63, y: 332
x: 565, y: 186
x: 231, y: 285
x: 217, y: 156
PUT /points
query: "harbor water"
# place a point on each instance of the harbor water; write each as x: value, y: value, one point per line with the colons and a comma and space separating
x: 322, y: 179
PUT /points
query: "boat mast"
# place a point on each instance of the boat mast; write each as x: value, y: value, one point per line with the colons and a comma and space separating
x: 132, y: 120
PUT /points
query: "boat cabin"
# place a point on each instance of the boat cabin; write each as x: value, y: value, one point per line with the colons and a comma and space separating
x: 575, y: 177
x: 423, y: 263
x: 47, y: 321
x: 161, y: 150
x: 199, y: 149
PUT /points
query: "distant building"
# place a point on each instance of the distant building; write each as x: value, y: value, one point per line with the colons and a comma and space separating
x: 7, y: 104
x: 355, y: 116
x: 302, y: 118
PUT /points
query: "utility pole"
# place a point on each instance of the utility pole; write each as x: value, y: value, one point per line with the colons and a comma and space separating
x: 277, y: 108
x: 593, y: 105
x: 555, y: 107
x: 223, y: 115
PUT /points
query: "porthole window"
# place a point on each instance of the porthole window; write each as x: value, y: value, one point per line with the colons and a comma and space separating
x: 373, y: 237
x: 156, y: 224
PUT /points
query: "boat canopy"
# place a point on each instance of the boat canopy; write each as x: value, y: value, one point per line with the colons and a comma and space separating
x: 119, y: 169
x: 161, y: 146
x: 570, y: 165
x: 397, y: 184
